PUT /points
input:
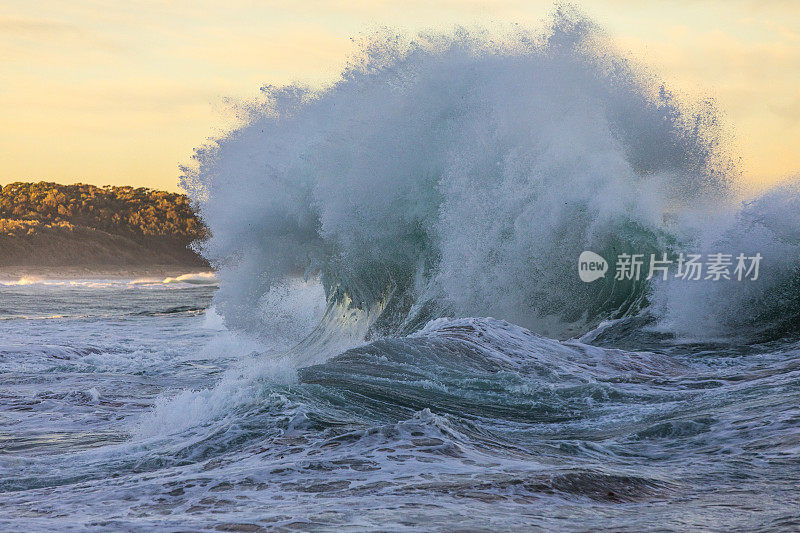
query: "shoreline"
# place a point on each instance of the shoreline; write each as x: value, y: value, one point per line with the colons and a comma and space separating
x: 14, y: 273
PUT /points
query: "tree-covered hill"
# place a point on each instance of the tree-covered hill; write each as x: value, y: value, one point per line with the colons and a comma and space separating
x: 47, y: 224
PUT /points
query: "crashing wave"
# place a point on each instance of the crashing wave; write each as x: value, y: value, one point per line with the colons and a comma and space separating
x: 463, y: 175
x: 456, y: 175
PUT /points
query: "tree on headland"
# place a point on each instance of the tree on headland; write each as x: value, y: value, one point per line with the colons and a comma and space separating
x: 60, y: 224
x: 119, y: 210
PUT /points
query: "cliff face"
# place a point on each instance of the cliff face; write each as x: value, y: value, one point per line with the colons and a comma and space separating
x: 51, y: 225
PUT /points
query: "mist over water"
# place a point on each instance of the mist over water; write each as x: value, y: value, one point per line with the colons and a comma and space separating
x: 766, y: 308
x: 346, y: 373
x: 462, y: 175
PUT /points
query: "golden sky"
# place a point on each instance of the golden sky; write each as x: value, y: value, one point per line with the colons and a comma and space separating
x: 120, y: 92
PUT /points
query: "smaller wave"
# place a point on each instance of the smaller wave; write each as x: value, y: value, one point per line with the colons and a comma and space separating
x: 39, y: 317
x: 191, y: 278
x: 179, y: 309
x: 194, y: 278
x: 52, y: 351
x: 199, y: 278
x: 24, y: 280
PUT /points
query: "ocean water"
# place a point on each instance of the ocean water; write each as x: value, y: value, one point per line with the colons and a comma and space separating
x: 396, y: 336
x: 134, y: 409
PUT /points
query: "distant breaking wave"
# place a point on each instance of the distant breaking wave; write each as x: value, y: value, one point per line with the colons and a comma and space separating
x: 196, y: 278
x: 463, y: 174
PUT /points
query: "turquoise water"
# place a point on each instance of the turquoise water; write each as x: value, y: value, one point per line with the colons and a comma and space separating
x: 135, y: 409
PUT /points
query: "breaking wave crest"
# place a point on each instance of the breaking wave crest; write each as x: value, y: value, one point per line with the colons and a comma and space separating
x: 462, y: 175
x: 762, y: 309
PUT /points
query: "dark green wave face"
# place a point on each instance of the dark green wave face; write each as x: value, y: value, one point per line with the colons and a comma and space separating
x: 551, y: 298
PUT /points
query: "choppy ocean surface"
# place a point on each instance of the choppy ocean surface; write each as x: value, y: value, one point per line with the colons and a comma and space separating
x: 128, y: 406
